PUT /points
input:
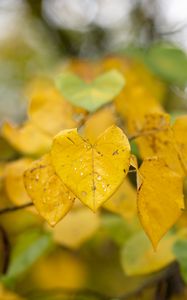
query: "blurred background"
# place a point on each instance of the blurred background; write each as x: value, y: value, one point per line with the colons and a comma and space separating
x: 35, y: 35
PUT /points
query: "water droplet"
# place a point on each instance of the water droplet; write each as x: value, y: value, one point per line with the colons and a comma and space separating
x: 83, y: 193
x: 81, y: 173
x: 37, y: 177
x: 99, y: 177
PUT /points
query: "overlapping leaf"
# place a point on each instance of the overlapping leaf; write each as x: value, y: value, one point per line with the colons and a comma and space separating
x: 48, y: 109
x: 50, y: 196
x: 91, y: 171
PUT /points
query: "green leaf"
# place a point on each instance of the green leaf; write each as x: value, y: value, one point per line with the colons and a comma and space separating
x: 139, y: 258
x: 180, y: 251
x: 168, y: 62
x: 90, y: 96
x: 29, y: 247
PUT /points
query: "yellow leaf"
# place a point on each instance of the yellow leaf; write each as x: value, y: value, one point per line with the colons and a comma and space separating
x: 180, y: 135
x: 98, y: 123
x: 133, y: 104
x: 139, y: 258
x: 51, y: 197
x: 123, y: 201
x: 158, y: 140
x: 160, y: 198
x: 78, y: 226
x: 49, y: 110
x: 141, y: 95
x: 14, y: 184
x: 59, y: 269
x: 92, y: 171
x: 27, y: 139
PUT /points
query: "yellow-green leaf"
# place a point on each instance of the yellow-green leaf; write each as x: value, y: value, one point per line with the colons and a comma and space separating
x: 51, y: 197
x: 139, y: 258
x: 91, y: 95
x: 91, y: 171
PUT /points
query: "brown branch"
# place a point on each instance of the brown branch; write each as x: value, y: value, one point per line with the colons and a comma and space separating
x: 6, y: 246
x: 14, y: 208
x: 164, y: 276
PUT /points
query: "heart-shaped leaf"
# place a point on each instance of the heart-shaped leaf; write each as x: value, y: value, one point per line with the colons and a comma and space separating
x: 51, y: 197
x: 91, y: 171
x: 92, y: 95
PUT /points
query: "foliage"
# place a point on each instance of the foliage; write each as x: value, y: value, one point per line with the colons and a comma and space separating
x: 96, y: 155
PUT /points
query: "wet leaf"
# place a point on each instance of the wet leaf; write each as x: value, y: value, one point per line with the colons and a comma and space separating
x: 50, y: 196
x: 92, y: 171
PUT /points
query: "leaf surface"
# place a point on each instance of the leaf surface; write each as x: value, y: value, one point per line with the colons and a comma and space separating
x: 160, y: 198
x: 90, y: 96
x: 91, y: 171
x: 51, y: 197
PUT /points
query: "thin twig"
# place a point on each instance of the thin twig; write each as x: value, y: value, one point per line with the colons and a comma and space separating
x: 14, y: 208
x: 6, y: 246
